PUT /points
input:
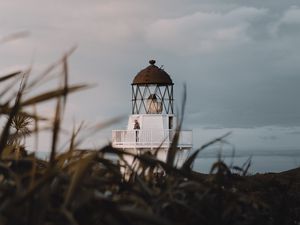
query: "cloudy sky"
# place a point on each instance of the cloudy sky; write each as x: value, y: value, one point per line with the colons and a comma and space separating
x: 239, y: 59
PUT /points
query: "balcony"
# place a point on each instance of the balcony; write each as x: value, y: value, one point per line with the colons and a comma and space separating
x: 152, y: 138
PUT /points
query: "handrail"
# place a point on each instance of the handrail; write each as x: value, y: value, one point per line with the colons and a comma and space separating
x: 150, y: 138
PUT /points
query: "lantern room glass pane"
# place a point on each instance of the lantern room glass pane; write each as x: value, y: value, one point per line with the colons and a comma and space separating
x: 152, y: 99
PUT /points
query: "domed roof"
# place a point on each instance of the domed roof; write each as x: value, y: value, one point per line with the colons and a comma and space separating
x: 152, y: 75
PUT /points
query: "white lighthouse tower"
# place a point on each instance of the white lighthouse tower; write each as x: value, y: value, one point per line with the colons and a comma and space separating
x: 152, y: 123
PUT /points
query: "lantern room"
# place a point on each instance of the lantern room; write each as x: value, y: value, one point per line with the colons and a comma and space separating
x: 152, y: 91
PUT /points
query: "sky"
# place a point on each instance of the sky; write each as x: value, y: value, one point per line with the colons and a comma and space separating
x: 238, y: 59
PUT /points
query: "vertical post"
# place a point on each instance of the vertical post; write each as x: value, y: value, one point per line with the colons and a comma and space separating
x: 172, y: 110
x: 151, y: 138
x: 133, y: 100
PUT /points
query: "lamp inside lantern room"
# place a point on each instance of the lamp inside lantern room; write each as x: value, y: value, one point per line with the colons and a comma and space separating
x: 154, y: 105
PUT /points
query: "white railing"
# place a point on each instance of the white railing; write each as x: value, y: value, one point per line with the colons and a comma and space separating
x: 149, y: 138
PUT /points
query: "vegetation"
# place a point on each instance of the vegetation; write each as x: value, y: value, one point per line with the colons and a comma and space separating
x: 86, y: 187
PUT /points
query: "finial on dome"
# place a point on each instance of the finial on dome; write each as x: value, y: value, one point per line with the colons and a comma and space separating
x: 152, y: 61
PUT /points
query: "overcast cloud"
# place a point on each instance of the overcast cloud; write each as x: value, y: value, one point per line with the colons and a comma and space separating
x: 239, y: 59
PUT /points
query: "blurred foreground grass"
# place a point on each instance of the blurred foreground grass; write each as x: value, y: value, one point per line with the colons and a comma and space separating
x: 84, y: 186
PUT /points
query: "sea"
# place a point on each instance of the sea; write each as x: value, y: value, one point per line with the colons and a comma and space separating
x: 261, y: 161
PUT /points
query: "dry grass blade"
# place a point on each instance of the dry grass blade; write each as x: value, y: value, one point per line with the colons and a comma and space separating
x: 49, y: 69
x: 5, y: 109
x: 159, y: 147
x: 173, y: 148
x: 187, y: 165
x: 14, y: 36
x: 246, y: 165
x: 66, y: 160
x: 8, y: 87
x: 189, y: 161
x: 220, y: 167
x: 9, y: 76
x: 96, y: 128
x: 74, y: 135
x: 25, y: 74
x: 36, y: 129
x: 102, y: 125
x: 71, y: 142
x: 52, y: 94
x: 65, y: 75
x: 55, y: 131
x: 81, y: 169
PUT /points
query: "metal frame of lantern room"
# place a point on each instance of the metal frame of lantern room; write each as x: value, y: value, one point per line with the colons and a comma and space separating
x: 144, y: 97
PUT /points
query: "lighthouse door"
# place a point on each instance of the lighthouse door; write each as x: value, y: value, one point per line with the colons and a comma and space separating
x: 170, y: 122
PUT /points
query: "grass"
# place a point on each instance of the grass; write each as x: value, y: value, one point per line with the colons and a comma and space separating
x: 86, y: 187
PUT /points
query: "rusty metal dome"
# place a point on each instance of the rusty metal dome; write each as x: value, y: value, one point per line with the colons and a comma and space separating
x: 152, y: 75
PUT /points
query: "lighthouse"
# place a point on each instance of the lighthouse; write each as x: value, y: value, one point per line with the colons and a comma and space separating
x: 152, y: 123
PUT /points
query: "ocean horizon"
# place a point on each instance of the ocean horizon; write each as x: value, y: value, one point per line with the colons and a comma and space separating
x: 262, y: 161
